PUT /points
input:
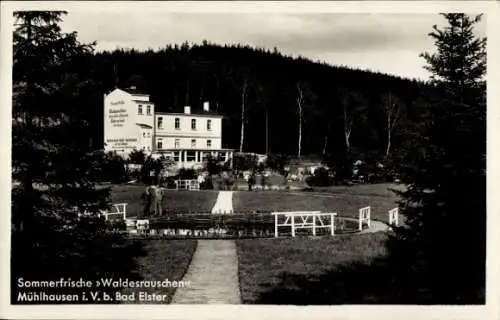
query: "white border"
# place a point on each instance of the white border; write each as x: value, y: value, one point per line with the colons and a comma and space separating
x: 492, y: 13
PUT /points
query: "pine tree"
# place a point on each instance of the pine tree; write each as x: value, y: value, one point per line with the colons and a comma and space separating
x: 52, y: 163
x: 439, y: 254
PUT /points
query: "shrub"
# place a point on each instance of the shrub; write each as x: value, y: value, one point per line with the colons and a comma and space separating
x: 187, y: 174
x: 264, y: 181
x: 243, y: 162
x: 109, y: 167
x: 137, y: 157
x: 277, y: 162
x: 207, y: 184
x: 321, y: 178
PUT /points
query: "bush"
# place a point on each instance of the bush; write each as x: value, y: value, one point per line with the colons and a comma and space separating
x: 109, y: 167
x: 264, y: 181
x: 151, y: 166
x: 277, y: 162
x: 321, y: 178
x: 187, y: 174
x: 207, y: 184
x: 169, y: 182
x: 243, y: 162
x: 212, y: 166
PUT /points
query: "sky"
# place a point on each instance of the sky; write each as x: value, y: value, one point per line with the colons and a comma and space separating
x: 387, y: 43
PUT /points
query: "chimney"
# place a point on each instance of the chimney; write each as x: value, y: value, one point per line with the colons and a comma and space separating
x: 133, y: 88
x: 206, y: 106
x: 187, y: 110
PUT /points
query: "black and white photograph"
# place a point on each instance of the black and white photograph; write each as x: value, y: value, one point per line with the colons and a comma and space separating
x: 183, y: 157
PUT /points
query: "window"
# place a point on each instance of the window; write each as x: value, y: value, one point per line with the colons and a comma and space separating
x: 177, y: 143
x: 159, y: 144
x: 204, y: 156
x: 144, y: 134
x: 209, y: 125
x: 190, y: 156
x: 222, y: 156
x: 139, y: 109
x: 193, y: 124
x: 160, y: 122
x: 177, y: 123
x: 193, y: 143
x: 176, y: 156
x: 148, y: 110
x: 209, y: 143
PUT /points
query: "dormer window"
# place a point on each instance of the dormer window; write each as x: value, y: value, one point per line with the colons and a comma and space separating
x: 139, y: 109
x: 160, y: 122
x: 148, y: 110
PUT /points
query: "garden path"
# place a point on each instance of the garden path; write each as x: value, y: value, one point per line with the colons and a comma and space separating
x: 376, y: 226
x: 224, y: 203
x: 213, y: 275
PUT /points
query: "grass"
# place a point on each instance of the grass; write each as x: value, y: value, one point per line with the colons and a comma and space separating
x: 345, y: 202
x: 381, y: 189
x: 286, y: 271
x: 176, y: 201
x: 163, y: 260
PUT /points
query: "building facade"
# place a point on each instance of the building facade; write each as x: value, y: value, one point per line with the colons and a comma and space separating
x: 131, y: 122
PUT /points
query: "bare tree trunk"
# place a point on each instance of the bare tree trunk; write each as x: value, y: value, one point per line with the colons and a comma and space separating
x: 300, y: 133
x: 326, y: 139
x: 388, y: 144
x: 243, y: 98
x: 347, y: 128
x: 300, y: 103
x: 392, y: 112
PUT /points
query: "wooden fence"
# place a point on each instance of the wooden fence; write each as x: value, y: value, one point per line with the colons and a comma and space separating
x: 307, y: 220
x: 364, y: 216
x: 192, y: 184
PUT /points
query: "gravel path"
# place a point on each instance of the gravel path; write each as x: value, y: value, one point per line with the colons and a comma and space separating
x: 213, y: 275
x: 224, y: 203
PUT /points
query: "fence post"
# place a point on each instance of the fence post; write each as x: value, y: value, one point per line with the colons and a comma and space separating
x: 369, y: 216
x: 125, y: 211
x: 314, y: 224
x: 360, y: 220
x: 293, y: 225
x: 275, y: 225
x: 332, y: 224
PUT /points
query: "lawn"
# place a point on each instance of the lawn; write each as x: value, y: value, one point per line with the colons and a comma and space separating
x: 306, y: 270
x: 176, y: 201
x: 163, y: 260
x: 345, y: 202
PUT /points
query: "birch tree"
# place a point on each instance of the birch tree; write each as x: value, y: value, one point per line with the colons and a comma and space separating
x: 354, y: 108
x: 300, y: 110
x: 393, y: 109
x: 304, y: 100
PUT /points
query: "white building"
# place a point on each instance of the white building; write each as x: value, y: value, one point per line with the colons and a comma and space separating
x: 131, y: 122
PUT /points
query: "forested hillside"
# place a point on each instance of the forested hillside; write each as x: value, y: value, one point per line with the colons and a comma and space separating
x: 334, y: 109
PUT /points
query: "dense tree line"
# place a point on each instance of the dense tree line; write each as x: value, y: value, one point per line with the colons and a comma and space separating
x: 310, y: 107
